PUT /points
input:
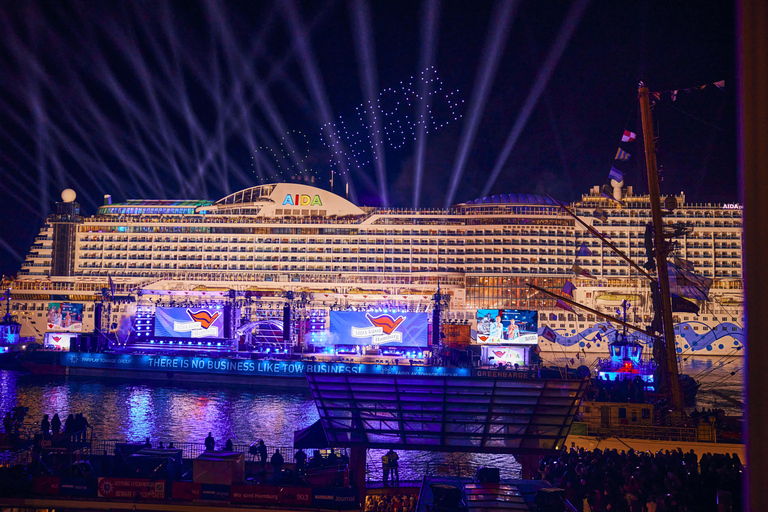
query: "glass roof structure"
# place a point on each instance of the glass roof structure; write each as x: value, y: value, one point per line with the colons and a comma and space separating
x: 439, y: 413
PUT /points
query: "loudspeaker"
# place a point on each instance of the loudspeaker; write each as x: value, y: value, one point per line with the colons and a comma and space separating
x: 436, y: 330
x: 487, y: 475
x: 550, y: 499
x: 287, y: 322
x: 446, y: 496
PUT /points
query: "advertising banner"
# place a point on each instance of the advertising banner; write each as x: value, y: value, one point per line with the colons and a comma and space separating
x: 378, y: 329
x: 64, y: 316
x: 190, y: 322
x: 214, y: 492
x: 511, y: 356
x: 507, y: 326
x: 240, y: 367
x: 131, y: 488
x: 76, y: 487
x: 185, y: 491
x: 335, y: 498
x: 265, y: 494
x: 49, y: 485
x: 58, y: 341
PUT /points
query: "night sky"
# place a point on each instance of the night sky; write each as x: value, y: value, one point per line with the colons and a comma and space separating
x: 193, y: 100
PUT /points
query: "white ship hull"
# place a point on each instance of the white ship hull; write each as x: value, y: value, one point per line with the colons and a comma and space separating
x: 290, y: 240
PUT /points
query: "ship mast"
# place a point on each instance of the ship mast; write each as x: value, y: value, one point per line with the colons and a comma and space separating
x: 667, y: 356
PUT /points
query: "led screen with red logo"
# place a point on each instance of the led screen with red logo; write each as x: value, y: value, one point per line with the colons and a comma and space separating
x: 378, y: 328
x: 190, y: 322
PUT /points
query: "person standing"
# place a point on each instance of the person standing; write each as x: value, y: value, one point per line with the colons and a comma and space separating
x: 385, y: 468
x: 8, y: 422
x: 301, y: 460
x: 393, y: 466
x: 56, y: 424
x: 69, y: 424
x: 45, y: 426
x: 228, y: 446
x: 277, y: 464
x: 209, y: 443
x: 262, y: 450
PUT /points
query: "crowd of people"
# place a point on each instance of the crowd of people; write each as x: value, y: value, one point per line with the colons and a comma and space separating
x: 630, y: 481
x: 75, y: 425
x: 390, y: 503
x: 626, y: 391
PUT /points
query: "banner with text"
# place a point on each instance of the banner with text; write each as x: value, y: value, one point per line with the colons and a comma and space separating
x: 378, y: 329
x: 191, y: 322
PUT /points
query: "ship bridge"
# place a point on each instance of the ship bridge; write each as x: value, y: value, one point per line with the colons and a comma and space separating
x: 284, y: 200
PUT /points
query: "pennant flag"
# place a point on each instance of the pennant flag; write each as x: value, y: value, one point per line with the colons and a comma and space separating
x: 683, y: 264
x: 607, y: 191
x: 680, y: 305
x: 600, y: 214
x: 685, y: 283
x: 628, y: 136
x: 589, y: 345
x: 568, y: 288
x: 549, y: 334
x: 112, y: 287
x: 622, y: 155
x: 598, y: 337
x: 572, y: 361
x: 584, y: 250
x: 563, y: 305
x: 720, y: 84
x: 616, y: 174
x: 581, y: 272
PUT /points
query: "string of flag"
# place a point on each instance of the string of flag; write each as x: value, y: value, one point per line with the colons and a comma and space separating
x: 672, y: 93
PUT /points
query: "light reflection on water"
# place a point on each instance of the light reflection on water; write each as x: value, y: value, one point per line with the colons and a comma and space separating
x: 117, y: 410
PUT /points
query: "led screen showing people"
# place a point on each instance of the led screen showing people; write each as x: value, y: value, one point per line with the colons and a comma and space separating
x: 513, y: 326
x: 64, y: 316
x: 190, y: 322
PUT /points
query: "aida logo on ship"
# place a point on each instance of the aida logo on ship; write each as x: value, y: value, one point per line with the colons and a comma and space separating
x: 200, y: 325
x: 302, y: 200
x: 383, y: 329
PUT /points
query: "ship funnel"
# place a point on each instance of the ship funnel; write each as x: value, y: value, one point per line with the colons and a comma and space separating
x: 107, y: 199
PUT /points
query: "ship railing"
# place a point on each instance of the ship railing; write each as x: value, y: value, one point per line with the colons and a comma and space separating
x: 415, y: 470
x: 188, y: 450
x: 650, y: 432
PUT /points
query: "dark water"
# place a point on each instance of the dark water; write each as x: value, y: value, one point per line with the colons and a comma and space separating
x: 117, y: 410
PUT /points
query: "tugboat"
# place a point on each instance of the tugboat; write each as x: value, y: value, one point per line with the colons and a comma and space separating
x: 11, y: 343
x: 626, y: 362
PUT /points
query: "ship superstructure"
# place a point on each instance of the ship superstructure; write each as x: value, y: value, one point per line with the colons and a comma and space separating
x: 299, y: 244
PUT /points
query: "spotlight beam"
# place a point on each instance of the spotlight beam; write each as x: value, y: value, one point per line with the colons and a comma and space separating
x: 369, y: 81
x: 429, y: 31
x: 570, y: 23
x: 314, y: 82
x: 502, y: 17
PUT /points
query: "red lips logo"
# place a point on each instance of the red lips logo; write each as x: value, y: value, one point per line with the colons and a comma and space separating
x: 386, y: 322
x: 204, y: 317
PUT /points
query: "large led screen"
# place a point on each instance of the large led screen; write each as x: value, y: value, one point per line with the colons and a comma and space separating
x: 379, y: 329
x: 190, y: 322
x: 513, y: 326
x: 64, y: 316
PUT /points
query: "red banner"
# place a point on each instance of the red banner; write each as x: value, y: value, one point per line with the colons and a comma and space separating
x: 254, y: 494
x: 131, y: 488
x: 50, y: 485
x: 185, y: 491
x: 301, y: 496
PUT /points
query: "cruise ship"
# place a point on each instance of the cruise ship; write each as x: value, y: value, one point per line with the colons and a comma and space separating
x: 299, y: 248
